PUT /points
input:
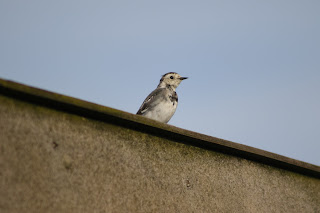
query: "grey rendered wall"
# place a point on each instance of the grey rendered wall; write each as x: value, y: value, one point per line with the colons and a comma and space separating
x: 53, y: 161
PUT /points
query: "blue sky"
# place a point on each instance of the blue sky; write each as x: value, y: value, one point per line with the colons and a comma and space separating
x: 253, y: 66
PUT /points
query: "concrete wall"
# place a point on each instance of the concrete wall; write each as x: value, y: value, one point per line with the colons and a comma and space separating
x: 53, y: 160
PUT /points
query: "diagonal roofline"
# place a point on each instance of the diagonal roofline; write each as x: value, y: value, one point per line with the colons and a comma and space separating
x: 109, y: 115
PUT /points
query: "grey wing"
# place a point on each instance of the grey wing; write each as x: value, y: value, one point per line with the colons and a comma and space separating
x: 152, y: 99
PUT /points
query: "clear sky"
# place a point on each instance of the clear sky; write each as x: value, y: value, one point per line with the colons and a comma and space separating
x: 253, y: 66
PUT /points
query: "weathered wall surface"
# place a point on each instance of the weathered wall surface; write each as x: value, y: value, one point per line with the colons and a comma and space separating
x: 53, y: 161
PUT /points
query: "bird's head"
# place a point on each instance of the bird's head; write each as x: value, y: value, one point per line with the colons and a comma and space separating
x: 171, y: 79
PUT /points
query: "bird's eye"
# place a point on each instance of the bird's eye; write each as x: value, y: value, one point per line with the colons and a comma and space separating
x: 171, y: 77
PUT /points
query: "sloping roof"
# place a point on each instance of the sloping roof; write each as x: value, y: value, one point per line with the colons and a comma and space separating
x: 139, y: 123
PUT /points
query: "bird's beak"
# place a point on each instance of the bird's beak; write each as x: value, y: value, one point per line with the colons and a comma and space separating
x: 183, y: 78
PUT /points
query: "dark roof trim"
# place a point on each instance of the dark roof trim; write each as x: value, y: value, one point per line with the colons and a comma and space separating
x: 139, y: 123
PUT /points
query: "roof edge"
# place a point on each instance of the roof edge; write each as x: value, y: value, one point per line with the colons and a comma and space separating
x: 106, y: 114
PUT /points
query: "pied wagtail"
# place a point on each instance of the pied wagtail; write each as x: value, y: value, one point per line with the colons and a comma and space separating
x: 161, y: 104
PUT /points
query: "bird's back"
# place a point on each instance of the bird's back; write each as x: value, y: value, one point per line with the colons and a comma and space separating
x: 159, y: 105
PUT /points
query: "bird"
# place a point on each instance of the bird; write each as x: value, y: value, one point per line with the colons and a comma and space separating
x: 162, y: 102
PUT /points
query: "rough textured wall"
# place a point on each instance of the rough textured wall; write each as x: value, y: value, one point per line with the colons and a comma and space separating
x: 51, y: 161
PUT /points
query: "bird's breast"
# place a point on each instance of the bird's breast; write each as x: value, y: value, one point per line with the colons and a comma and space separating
x: 163, y: 111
